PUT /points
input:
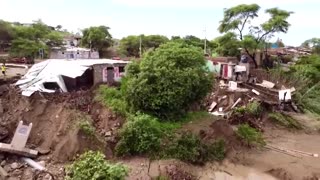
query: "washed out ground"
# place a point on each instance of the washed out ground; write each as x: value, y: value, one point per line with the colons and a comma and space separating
x: 59, y: 137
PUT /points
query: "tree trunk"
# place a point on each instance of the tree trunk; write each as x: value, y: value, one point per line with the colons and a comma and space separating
x: 253, y: 57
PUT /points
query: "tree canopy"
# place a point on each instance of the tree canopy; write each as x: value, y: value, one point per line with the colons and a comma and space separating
x: 168, y: 80
x: 97, y: 37
x: 227, y: 45
x: 313, y: 43
x: 238, y: 20
x: 28, y: 40
x: 130, y: 45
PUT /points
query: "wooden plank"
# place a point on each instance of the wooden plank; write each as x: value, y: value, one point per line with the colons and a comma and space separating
x: 23, y: 151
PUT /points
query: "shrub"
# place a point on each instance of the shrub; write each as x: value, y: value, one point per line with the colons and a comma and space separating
x: 86, y: 127
x: 92, y: 165
x: 168, y: 80
x: 250, y: 136
x: 190, y: 148
x: 284, y: 120
x: 252, y: 108
x: 113, y: 98
x: 141, y: 134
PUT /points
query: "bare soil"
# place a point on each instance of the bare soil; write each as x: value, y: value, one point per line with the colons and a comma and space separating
x: 56, y: 133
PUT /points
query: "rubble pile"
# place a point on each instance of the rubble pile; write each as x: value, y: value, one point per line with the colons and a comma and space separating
x: 232, y: 96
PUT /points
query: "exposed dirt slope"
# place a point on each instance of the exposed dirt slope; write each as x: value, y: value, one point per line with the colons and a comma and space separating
x: 55, y: 124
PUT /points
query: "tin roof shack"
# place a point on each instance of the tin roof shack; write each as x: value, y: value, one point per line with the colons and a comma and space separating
x: 67, y: 75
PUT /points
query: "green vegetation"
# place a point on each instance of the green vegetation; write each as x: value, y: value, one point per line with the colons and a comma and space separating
x: 27, y: 41
x: 313, y: 43
x: 92, y: 165
x: 96, y: 37
x: 238, y: 19
x: 284, y: 120
x: 190, y: 148
x: 167, y: 81
x: 252, y: 108
x: 86, y: 126
x: 130, y: 45
x: 141, y: 134
x: 304, y: 76
x: 112, y: 98
x: 250, y: 136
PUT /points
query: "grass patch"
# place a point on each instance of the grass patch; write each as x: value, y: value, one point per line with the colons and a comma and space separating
x: 190, y: 148
x: 284, y: 120
x: 189, y: 117
x: 250, y: 136
x: 112, y: 97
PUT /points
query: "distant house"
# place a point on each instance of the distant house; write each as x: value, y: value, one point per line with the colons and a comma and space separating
x: 72, y: 40
x: 73, y: 53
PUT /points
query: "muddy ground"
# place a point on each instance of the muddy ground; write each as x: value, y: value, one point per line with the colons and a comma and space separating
x: 59, y: 140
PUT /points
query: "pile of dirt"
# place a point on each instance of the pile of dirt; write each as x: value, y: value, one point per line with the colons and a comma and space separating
x: 221, y: 129
x: 176, y: 173
x: 280, y: 173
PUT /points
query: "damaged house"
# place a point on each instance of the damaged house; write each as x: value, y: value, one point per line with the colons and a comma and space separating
x: 67, y: 75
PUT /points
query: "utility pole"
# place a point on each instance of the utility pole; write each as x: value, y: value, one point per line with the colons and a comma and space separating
x: 205, y: 41
x: 140, y: 49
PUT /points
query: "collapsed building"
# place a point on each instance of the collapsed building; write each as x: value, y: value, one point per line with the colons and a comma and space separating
x: 56, y: 75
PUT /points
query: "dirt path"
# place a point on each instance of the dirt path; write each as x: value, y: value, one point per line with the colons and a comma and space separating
x: 282, y: 165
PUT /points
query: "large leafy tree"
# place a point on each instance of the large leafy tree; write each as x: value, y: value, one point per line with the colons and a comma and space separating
x: 6, y: 32
x: 227, y: 45
x: 130, y: 46
x: 238, y: 20
x: 168, y: 80
x: 96, y: 37
x: 28, y: 40
x: 195, y: 41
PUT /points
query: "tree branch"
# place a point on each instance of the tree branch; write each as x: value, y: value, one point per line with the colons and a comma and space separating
x: 243, y: 24
x: 263, y: 35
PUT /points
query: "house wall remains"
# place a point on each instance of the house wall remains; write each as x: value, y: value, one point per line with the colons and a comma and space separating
x: 100, y: 73
x: 74, y: 55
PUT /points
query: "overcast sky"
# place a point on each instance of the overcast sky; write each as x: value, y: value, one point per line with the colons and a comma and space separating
x: 166, y: 17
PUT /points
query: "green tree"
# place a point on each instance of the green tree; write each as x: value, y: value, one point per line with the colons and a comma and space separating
x: 168, y: 80
x: 227, y: 45
x: 238, y: 19
x: 54, y: 39
x: 6, y: 31
x: 26, y: 48
x: 313, y: 43
x: 97, y: 38
x: 59, y: 27
x: 130, y: 46
x: 28, y: 40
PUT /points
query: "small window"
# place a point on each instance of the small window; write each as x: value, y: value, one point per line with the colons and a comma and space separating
x: 51, y: 85
x: 121, y: 69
